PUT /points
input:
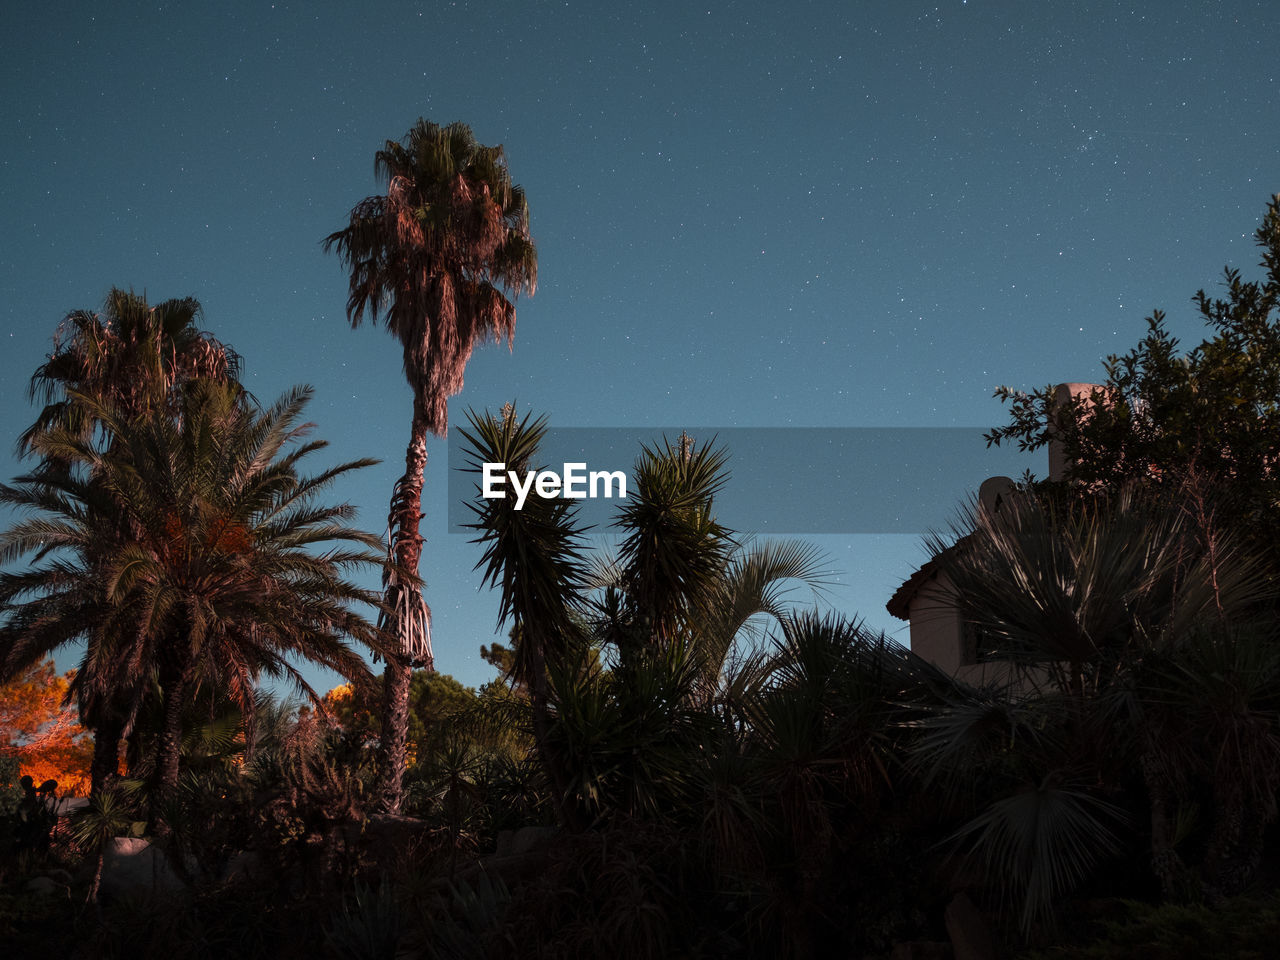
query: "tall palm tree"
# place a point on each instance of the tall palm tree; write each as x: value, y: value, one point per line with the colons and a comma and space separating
x: 438, y: 259
x: 219, y: 580
x: 134, y: 357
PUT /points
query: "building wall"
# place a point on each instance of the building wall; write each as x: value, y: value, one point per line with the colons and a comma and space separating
x: 937, y: 635
x: 936, y: 628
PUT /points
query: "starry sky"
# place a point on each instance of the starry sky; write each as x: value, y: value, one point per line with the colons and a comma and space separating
x: 819, y: 214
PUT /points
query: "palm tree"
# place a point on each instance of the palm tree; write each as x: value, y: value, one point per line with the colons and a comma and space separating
x: 821, y: 736
x: 134, y: 357
x: 434, y: 258
x: 1121, y: 623
x: 74, y: 605
x: 219, y: 580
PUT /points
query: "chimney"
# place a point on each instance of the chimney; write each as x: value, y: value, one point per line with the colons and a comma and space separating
x: 994, y: 493
x: 1063, y: 393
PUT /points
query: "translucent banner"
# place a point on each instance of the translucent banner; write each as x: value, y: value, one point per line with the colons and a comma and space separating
x: 782, y: 480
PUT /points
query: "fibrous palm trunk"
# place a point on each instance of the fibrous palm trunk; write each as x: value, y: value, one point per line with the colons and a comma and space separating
x: 1166, y: 863
x: 1234, y: 847
x: 174, y: 677
x: 395, y: 728
x: 407, y: 619
x: 105, y: 767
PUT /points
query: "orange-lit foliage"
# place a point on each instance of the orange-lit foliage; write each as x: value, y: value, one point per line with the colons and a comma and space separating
x: 46, y: 737
x: 351, y: 711
x: 225, y: 537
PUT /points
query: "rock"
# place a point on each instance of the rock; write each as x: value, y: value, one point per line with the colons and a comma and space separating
x: 515, y: 842
x: 921, y: 950
x: 970, y: 936
x: 133, y: 867
x: 46, y: 887
x: 66, y: 806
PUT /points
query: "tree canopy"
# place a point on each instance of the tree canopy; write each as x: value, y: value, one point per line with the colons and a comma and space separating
x: 40, y: 730
x: 187, y: 549
x: 1164, y: 415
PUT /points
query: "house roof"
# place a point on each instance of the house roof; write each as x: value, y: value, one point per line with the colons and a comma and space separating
x: 900, y: 603
x: 990, y: 495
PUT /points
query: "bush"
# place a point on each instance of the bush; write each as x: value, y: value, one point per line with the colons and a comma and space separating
x: 1242, y: 928
x: 31, y: 824
x: 10, y: 789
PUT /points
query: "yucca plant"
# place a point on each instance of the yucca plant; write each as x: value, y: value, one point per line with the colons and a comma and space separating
x: 107, y: 815
x: 465, y: 924
x: 369, y: 925
x: 534, y: 557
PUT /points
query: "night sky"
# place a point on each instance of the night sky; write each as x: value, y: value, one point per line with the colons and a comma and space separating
x: 748, y: 215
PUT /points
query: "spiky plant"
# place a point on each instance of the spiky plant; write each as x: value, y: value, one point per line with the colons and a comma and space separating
x: 534, y: 557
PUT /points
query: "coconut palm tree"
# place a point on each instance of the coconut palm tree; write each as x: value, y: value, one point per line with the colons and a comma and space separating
x: 219, y: 580
x: 439, y: 259
x: 134, y: 357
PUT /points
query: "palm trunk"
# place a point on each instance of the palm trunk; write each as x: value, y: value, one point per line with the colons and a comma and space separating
x: 105, y: 768
x: 406, y: 550
x: 96, y: 884
x: 1234, y: 848
x: 393, y: 753
x: 1166, y: 862
x: 169, y: 748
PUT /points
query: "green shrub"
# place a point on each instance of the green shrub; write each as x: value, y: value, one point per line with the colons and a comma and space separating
x: 369, y: 925
x: 10, y: 790
x: 1243, y: 928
